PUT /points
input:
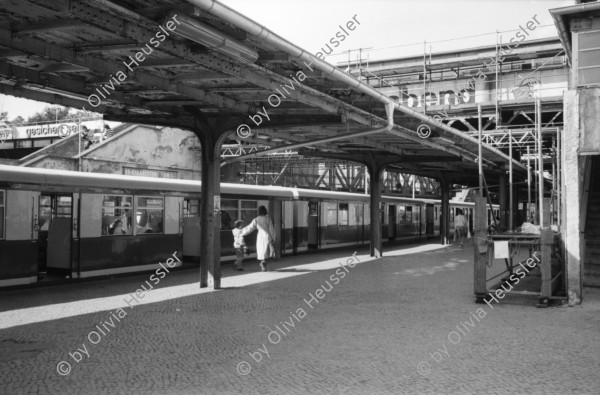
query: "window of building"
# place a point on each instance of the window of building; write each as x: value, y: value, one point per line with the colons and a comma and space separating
x: 2, y: 211
x: 149, y: 214
x: 23, y: 144
x: 588, y: 65
x: 116, y: 215
x: 41, y: 142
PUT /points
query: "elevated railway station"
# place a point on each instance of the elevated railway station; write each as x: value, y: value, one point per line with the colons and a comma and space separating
x: 410, y: 212
x: 214, y: 72
x: 486, y: 118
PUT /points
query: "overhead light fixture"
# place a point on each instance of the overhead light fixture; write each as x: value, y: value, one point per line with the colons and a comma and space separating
x: 208, y: 36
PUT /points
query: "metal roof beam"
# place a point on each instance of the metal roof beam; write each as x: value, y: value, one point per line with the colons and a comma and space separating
x: 57, y: 53
x: 48, y: 26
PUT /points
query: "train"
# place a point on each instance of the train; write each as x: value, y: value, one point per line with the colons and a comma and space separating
x: 57, y: 224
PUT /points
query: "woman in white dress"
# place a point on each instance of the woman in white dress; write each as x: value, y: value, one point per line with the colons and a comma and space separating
x: 264, y: 238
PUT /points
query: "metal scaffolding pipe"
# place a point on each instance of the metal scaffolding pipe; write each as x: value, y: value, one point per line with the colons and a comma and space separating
x: 479, y: 155
x: 511, y: 212
x: 538, y: 119
x: 306, y: 144
x: 528, y: 186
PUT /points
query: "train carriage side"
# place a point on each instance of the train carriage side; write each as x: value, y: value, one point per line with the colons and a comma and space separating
x: 69, y: 224
x: 406, y: 218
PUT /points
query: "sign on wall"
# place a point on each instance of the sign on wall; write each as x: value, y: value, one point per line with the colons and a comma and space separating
x: 48, y: 130
x: 133, y: 171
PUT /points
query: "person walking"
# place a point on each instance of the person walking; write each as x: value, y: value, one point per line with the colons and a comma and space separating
x: 460, y: 226
x: 241, y: 250
x: 264, y: 238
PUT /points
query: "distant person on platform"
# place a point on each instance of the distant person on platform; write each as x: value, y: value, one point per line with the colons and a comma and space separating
x: 264, y: 238
x: 460, y: 226
x: 108, y: 132
x: 85, y: 137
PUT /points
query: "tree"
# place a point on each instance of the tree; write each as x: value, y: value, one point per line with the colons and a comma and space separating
x: 50, y: 114
x: 17, y: 120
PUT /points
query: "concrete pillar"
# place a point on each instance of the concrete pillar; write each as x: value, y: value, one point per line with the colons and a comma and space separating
x: 375, y: 173
x: 210, y: 218
x: 572, y: 180
x: 445, y: 215
x: 503, y: 201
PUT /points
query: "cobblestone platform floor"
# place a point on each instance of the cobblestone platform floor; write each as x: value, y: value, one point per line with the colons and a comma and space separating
x: 406, y: 323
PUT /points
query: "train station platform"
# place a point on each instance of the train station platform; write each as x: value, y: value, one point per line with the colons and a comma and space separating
x: 325, y: 323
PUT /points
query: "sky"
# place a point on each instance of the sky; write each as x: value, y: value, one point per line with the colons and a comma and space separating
x: 387, y: 29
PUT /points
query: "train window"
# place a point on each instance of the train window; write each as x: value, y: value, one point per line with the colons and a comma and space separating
x: 343, y: 214
x: 149, y: 215
x: 331, y: 213
x: 45, y: 212
x: 409, y: 214
x: 63, y: 206
x: 2, y: 214
x: 191, y: 208
x: 402, y: 214
x: 355, y: 214
x: 229, y: 213
x: 116, y: 215
x: 248, y: 210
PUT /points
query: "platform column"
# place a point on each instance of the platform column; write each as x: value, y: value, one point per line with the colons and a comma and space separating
x: 445, y: 214
x: 375, y: 172
x: 210, y: 220
x: 572, y: 168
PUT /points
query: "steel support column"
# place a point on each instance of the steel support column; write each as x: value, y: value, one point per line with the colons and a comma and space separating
x: 210, y: 219
x: 375, y: 173
x: 445, y: 215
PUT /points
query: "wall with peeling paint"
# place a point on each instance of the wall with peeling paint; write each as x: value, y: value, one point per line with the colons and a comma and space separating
x: 168, y: 152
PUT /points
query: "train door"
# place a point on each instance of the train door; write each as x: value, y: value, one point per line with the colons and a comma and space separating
x: 384, y: 227
x: 391, y: 222
x: 55, y: 234
x: 429, y: 220
x: 313, y: 225
x: 191, y: 228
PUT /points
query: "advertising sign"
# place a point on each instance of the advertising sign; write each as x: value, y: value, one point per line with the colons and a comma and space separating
x: 48, y: 130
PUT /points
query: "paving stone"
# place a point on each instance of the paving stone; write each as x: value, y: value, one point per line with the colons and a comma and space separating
x: 370, y: 333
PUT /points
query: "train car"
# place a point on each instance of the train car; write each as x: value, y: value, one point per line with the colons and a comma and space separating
x: 61, y: 224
